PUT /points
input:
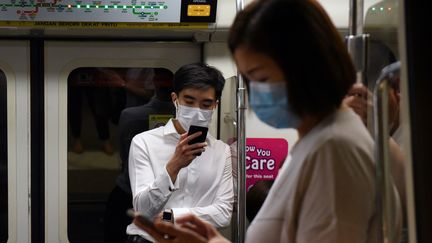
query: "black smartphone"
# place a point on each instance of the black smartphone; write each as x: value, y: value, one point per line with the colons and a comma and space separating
x: 143, y: 219
x: 201, y: 138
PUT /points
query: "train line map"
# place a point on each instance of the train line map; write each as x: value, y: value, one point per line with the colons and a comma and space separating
x: 69, y: 11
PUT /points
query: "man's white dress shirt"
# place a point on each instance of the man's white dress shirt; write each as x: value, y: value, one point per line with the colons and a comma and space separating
x: 204, y: 188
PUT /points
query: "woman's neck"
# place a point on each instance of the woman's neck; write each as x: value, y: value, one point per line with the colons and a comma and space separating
x: 309, y: 122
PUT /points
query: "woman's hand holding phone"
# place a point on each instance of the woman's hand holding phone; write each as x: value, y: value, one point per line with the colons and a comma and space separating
x: 141, y: 220
x: 190, y: 229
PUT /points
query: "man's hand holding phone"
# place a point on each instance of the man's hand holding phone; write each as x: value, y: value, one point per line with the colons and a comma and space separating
x: 184, y: 154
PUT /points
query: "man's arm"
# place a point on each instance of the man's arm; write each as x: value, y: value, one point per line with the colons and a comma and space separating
x: 220, y: 211
x: 150, y: 192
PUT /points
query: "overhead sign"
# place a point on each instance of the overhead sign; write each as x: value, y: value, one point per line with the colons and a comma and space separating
x: 49, y: 13
x: 102, y: 25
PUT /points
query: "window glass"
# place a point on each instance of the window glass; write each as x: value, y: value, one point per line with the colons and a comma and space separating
x: 382, y: 24
x: 106, y: 108
x: 3, y: 160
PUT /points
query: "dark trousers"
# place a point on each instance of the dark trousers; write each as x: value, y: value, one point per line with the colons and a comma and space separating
x: 116, y: 219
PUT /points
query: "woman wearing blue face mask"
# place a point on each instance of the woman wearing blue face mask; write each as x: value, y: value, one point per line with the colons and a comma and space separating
x: 299, y: 72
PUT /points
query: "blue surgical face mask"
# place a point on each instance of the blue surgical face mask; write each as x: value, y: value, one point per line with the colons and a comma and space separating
x: 270, y: 103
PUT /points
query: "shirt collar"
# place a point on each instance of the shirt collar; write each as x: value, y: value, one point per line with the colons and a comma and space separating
x: 169, y: 130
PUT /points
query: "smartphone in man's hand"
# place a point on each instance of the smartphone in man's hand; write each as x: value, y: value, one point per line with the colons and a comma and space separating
x: 201, y: 138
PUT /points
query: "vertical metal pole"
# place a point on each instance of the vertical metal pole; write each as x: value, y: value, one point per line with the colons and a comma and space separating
x: 241, y: 155
x: 358, y: 47
x: 239, y: 5
x: 384, y: 186
x: 241, y: 151
x: 355, y: 31
x: 357, y: 43
x: 356, y: 17
x: 352, y: 21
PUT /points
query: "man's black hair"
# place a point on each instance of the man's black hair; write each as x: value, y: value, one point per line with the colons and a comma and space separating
x: 199, y: 76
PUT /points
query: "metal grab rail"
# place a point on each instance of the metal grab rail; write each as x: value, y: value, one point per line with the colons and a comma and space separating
x: 241, y: 156
x: 384, y: 188
x: 356, y: 17
x: 241, y: 151
x: 358, y: 47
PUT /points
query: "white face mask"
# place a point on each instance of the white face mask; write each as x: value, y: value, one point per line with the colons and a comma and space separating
x: 188, y: 116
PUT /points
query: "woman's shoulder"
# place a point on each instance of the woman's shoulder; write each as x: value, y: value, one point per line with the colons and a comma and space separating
x: 345, y: 127
x: 344, y: 133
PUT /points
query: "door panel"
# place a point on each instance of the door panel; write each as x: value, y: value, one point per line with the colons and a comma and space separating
x: 3, y: 160
x: 15, y: 143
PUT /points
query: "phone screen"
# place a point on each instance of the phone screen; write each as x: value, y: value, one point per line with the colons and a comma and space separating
x: 194, y: 129
x: 201, y: 138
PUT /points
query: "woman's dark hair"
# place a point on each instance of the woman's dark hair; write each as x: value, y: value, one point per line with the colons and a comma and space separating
x: 301, y: 38
x: 199, y: 76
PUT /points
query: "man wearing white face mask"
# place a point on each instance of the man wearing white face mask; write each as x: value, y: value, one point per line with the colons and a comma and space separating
x: 164, y: 169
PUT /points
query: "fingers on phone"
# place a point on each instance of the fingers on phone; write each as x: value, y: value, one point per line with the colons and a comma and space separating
x: 196, y: 152
x: 183, y: 136
x: 185, y: 139
x: 194, y: 135
x: 197, y: 145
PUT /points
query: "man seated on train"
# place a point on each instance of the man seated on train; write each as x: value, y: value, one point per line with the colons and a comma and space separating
x: 167, y: 174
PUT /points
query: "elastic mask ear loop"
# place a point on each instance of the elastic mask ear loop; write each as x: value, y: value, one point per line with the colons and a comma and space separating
x: 175, y: 102
x: 215, y: 107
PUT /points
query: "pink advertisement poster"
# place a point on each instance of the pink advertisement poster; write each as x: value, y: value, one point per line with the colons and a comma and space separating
x: 264, y: 156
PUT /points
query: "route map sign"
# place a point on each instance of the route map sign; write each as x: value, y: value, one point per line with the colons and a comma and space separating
x: 72, y: 12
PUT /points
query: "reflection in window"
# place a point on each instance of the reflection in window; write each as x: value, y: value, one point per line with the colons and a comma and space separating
x: 106, y: 108
x: 382, y: 24
x: 3, y: 160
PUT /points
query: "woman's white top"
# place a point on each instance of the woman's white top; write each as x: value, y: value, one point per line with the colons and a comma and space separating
x: 326, y: 192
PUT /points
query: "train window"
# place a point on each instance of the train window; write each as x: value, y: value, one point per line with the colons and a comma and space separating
x: 3, y: 161
x: 106, y: 108
x: 382, y: 23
